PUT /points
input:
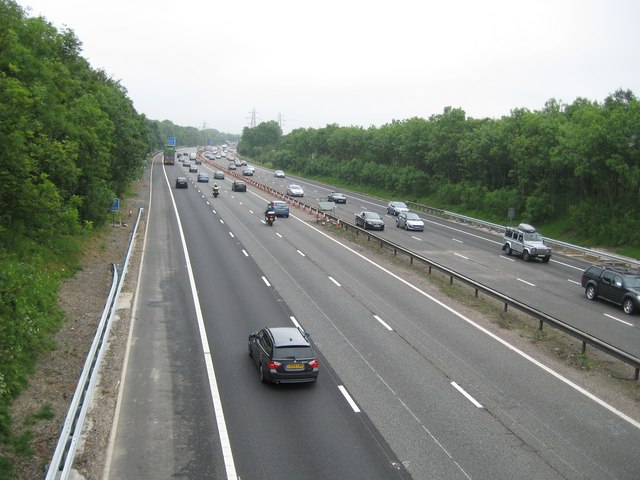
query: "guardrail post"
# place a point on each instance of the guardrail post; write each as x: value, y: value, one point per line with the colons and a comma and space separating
x: 584, y: 347
x: 541, y: 325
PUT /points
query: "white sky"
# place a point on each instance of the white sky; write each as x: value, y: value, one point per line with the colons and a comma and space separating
x: 352, y: 62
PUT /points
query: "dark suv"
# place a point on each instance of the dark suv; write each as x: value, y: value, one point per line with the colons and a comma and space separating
x: 283, y: 355
x: 615, y: 285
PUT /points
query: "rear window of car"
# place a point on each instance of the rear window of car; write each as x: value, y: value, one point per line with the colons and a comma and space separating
x: 293, y: 352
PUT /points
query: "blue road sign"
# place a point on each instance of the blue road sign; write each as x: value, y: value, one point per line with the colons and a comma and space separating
x: 171, y: 141
x: 115, y: 206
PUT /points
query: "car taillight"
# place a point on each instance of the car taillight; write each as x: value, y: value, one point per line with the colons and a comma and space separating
x: 273, y: 365
x: 313, y: 363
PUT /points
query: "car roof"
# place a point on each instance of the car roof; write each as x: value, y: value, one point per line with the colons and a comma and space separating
x: 288, y: 336
x: 279, y: 202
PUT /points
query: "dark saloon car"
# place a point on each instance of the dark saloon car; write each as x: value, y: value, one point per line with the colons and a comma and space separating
x: 239, y: 186
x: 280, y: 207
x: 182, y: 182
x: 203, y: 177
x: 283, y: 355
x: 369, y: 220
x: 337, y: 197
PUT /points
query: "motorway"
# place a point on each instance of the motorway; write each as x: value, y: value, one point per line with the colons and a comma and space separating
x: 408, y: 388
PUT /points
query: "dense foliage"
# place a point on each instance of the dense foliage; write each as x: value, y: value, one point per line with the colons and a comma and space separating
x: 70, y: 142
x: 578, y: 164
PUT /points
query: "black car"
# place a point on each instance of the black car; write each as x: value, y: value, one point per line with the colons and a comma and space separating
x: 337, y: 197
x: 369, y: 220
x: 182, y: 182
x: 283, y: 355
x: 239, y: 186
x: 615, y: 285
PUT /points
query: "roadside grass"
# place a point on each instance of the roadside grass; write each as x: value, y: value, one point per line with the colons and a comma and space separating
x: 548, y: 341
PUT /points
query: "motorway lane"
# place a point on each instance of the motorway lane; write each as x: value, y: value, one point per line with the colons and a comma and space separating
x: 519, y: 424
x: 553, y: 288
x: 275, y: 432
x: 166, y: 423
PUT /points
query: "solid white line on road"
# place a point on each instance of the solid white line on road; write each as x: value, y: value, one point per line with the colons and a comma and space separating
x: 334, y: 281
x: 467, y: 396
x: 301, y: 253
x: 617, y: 319
x: 384, y: 324
x: 348, y: 398
x: 295, y: 322
x: 524, y: 281
x: 461, y: 256
x: 264, y: 279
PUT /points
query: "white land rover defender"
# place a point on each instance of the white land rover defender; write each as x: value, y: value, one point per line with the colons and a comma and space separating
x: 526, y: 241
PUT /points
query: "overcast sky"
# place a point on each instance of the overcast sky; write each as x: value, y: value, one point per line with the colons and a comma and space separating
x: 352, y: 62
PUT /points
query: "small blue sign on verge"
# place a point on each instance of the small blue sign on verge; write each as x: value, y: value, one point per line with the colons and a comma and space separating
x: 115, y: 206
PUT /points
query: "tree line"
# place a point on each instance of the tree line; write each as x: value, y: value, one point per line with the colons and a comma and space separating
x: 577, y: 164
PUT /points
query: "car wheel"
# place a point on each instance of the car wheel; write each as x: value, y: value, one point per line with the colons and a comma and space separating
x: 250, y: 352
x: 628, y: 306
x: 525, y: 256
x: 546, y: 259
x: 591, y: 292
x: 507, y: 250
x: 382, y: 229
x: 286, y: 216
x: 405, y: 227
x: 261, y: 371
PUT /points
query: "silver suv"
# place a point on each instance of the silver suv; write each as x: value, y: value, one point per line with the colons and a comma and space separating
x: 526, y: 241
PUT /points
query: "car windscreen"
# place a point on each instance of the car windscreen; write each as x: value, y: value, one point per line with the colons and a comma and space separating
x: 412, y: 216
x: 372, y: 216
x: 293, y: 352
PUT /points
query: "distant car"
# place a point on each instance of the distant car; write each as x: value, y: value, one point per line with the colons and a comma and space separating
x: 294, y: 190
x: 337, y: 197
x: 394, y: 208
x: 283, y: 355
x: 203, y: 177
x: 218, y: 175
x: 239, y: 186
x: 243, y: 163
x: 616, y: 285
x: 193, y: 169
x: 182, y: 182
x: 369, y: 221
x: 278, y: 174
x: 247, y: 172
x: 280, y: 207
x: 231, y: 166
x: 409, y: 221
x: 186, y: 162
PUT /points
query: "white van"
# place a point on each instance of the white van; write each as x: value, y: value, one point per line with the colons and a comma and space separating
x: 192, y: 156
